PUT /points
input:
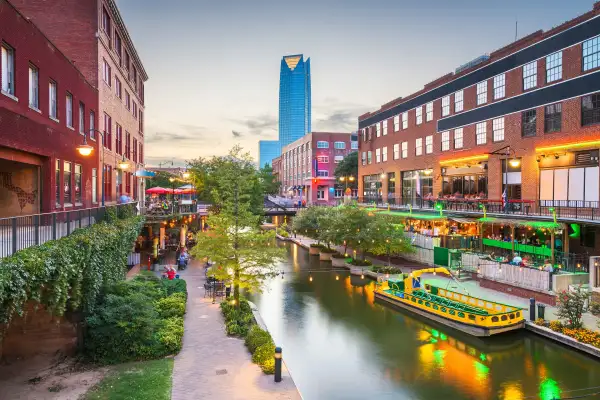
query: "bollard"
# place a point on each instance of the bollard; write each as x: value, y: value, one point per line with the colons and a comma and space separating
x: 277, y: 364
x: 149, y: 263
x: 541, y: 310
x: 532, y: 309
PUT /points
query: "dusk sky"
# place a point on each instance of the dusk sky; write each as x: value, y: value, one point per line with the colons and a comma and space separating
x: 214, y: 65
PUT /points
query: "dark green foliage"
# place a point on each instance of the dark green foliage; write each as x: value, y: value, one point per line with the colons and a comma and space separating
x: 172, y: 306
x: 174, y: 286
x: 361, y: 263
x: 256, y: 338
x: 263, y: 353
x: 386, y: 269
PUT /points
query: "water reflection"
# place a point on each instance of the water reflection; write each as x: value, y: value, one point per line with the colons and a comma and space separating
x: 340, y: 343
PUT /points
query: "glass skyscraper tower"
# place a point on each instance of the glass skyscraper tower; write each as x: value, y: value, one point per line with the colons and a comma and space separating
x: 294, y: 106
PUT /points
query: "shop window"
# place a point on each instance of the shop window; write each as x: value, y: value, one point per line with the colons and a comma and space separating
x: 570, y: 187
x: 78, y: 187
x: 465, y: 186
x: 511, y: 181
x: 590, y: 109
x: 67, y: 183
x: 391, y: 176
x: 553, y: 118
x: 528, y: 123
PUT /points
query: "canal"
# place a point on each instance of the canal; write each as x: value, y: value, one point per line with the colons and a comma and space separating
x: 340, y: 344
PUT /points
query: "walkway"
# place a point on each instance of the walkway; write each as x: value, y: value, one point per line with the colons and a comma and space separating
x: 212, y: 365
x: 590, y: 321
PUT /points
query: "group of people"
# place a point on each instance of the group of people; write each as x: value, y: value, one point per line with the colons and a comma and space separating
x: 526, y: 261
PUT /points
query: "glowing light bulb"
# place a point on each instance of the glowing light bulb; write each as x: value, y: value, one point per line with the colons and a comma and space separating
x: 310, y: 278
x: 337, y: 278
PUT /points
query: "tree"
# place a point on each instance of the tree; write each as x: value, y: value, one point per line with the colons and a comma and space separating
x: 572, y: 305
x: 389, y: 238
x: 267, y: 180
x: 347, y: 226
x: 348, y: 167
x: 160, y: 179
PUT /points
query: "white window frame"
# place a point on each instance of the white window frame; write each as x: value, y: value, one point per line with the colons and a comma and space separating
x: 445, y: 106
x: 106, y: 72
x: 92, y: 125
x: 322, y: 173
x: 353, y: 145
x: 339, y: 145
x: 69, y: 110
x: 384, y: 154
x: 396, y: 123
x: 378, y: 130
x: 498, y: 129
x: 429, y: 144
x: 446, y: 141
x: 384, y: 127
x: 94, y: 185
x: 419, y: 115
x: 419, y: 147
x: 34, y: 87
x: 320, y: 160
x: 405, y: 120
x: 482, y: 92
x: 377, y: 156
x: 404, y: 150
x: 458, y: 138
x: 338, y: 159
x: 459, y: 103
x: 554, y: 67
x: 320, y: 144
x: 8, y: 70
x: 369, y: 157
x: 591, y: 53
x: 530, y: 75
x: 429, y: 111
x: 480, y: 133
x: 396, y: 151
x: 81, y: 118
x: 499, y: 86
x: 52, y: 100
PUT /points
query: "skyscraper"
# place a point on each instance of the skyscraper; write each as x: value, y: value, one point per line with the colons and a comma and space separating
x: 294, y: 99
x: 294, y: 106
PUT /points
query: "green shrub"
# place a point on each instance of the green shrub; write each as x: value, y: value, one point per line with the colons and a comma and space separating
x: 174, y: 286
x: 263, y: 353
x: 172, y: 306
x: 320, y: 246
x: 148, y: 288
x: 327, y: 250
x: 338, y: 255
x: 386, y: 269
x: 361, y: 263
x: 170, y: 335
x: 256, y: 338
x: 268, y: 367
x: 147, y: 276
x: 283, y: 233
x: 235, y: 328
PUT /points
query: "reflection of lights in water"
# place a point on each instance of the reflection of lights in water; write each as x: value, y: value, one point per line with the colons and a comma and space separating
x: 435, y: 333
x: 528, y: 365
x: 481, y: 371
x: 438, y: 357
x: 549, y: 389
x: 443, y: 337
x: 541, y: 370
x: 512, y: 391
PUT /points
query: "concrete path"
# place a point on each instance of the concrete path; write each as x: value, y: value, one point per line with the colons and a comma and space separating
x: 212, y: 365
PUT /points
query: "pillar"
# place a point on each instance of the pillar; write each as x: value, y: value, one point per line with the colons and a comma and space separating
x: 512, y: 239
x: 183, y: 235
x: 552, y: 235
x: 162, y: 237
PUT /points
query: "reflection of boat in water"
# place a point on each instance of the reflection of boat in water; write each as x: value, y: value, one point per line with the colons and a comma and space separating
x: 468, y: 314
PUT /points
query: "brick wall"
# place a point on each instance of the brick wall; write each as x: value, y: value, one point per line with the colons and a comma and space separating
x: 517, y: 291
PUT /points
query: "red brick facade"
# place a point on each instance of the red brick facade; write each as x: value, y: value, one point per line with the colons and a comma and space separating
x: 28, y: 135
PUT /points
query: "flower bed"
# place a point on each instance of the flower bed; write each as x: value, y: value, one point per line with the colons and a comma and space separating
x: 582, y: 335
x: 360, y: 263
x: 386, y: 269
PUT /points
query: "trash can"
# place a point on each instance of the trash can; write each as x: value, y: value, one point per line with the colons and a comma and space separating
x: 541, y: 309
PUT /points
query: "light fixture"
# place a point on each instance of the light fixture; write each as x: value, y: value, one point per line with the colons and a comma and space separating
x: 515, y: 162
x: 186, y: 175
x: 382, y: 176
x: 428, y: 171
x: 85, y: 149
x: 171, y: 179
x: 342, y: 178
x: 337, y: 277
x: 123, y: 164
x: 310, y: 278
x: 351, y: 178
x: 556, y: 156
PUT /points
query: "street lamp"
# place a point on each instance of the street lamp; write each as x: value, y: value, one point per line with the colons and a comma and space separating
x: 123, y: 164
x: 85, y: 150
x: 172, y: 180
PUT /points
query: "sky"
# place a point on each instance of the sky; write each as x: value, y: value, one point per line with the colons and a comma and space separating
x: 213, y: 65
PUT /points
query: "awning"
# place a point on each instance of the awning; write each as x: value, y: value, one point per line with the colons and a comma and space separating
x: 522, y: 223
x: 464, y: 220
x: 408, y: 215
x: 142, y: 173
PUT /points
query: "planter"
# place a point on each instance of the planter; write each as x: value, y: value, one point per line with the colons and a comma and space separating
x: 324, y: 256
x: 338, y: 262
x: 352, y: 266
x: 314, y: 251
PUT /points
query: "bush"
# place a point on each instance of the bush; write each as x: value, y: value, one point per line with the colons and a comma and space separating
x: 172, y: 306
x: 268, y: 367
x: 170, y: 335
x: 595, y: 308
x: 338, y: 255
x: 327, y: 250
x: 283, y: 233
x: 174, y: 286
x: 540, y: 322
x: 572, y: 305
x: 316, y: 245
x: 237, y: 320
x: 256, y: 338
x: 236, y: 328
x: 361, y: 263
x: 385, y: 269
x: 556, y: 326
x: 263, y: 353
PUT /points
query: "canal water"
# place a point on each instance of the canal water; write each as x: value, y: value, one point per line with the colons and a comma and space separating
x: 339, y: 343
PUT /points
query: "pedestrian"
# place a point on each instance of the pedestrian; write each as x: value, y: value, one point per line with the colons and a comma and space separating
x: 171, y: 272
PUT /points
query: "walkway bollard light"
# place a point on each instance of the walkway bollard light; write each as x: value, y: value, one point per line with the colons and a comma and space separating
x: 277, y: 364
x: 532, y: 309
x: 541, y: 308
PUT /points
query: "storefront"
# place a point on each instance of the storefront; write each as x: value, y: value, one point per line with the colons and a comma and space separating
x: 372, y: 187
x: 417, y: 186
x: 465, y: 182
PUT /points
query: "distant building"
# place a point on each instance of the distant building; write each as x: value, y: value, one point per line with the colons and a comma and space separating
x: 267, y: 151
x: 306, y: 167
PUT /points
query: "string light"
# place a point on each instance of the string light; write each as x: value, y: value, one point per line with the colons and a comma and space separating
x: 310, y: 278
x: 337, y: 277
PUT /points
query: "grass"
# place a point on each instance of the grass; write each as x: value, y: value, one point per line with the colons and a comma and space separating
x: 148, y: 380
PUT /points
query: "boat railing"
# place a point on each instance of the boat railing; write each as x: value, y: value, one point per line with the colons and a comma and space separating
x: 491, y: 306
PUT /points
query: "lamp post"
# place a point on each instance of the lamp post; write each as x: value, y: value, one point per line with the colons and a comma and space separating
x: 85, y: 150
x: 172, y: 180
x: 381, y: 178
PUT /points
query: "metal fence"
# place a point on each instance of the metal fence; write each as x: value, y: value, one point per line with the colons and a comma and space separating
x: 17, y: 233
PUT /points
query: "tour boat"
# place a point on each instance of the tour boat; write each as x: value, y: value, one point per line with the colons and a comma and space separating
x: 477, y: 317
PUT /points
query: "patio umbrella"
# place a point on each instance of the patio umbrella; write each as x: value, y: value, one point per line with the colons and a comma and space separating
x: 158, y: 190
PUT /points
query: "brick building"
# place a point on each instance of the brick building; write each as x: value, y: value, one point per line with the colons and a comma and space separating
x: 535, y: 102
x: 94, y: 36
x: 307, y: 166
x: 46, y: 104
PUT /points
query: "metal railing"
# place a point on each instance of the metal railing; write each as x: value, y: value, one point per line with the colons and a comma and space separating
x: 565, y: 209
x: 17, y: 233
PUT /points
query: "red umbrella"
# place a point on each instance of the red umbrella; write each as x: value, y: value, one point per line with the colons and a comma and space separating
x: 184, y: 191
x: 158, y: 190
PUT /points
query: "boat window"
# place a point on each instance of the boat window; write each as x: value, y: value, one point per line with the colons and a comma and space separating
x: 471, y: 317
x: 427, y: 304
x: 413, y: 299
x: 499, y: 307
x: 512, y: 316
x: 463, y: 298
x: 489, y: 305
x: 457, y: 296
x: 480, y: 303
x: 504, y: 318
x: 494, y: 319
x: 444, y: 309
x: 462, y: 315
x: 472, y: 301
x: 420, y: 301
x: 452, y: 312
x: 435, y: 307
x: 442, y: 292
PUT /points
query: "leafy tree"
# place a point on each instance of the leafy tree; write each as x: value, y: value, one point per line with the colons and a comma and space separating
x: 351, y: 220
x: 306, y: 222
x: 160, y: 179
x: 389, y: 238
x: 572, y: 305
x: 268, y: 183
x: 348, y: 167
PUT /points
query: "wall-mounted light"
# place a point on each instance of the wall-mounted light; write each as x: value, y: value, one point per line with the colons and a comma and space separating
x: 515, y: 162
x: 556, y: 156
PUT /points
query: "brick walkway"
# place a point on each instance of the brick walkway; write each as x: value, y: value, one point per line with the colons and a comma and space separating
x: 212, y: 365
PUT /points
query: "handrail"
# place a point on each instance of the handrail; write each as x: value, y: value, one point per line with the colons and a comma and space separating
x: 69, y: 210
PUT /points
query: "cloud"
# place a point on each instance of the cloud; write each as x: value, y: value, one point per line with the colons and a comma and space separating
x: 258, y: 124
x: 155, y: 161
x: 236, y: 134
x: 334, y: 115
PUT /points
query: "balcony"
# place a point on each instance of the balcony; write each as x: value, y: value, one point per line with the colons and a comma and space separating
x: 565, y: 210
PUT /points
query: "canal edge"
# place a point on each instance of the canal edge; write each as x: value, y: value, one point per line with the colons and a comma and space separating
x: 563, y: 339
x: 261, y: 323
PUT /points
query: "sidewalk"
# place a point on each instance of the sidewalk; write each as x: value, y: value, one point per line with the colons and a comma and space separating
x: 212, y: 365
x: 589, y: 320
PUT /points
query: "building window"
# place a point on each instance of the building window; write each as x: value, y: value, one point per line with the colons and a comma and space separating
x: 458, y: 101
x: 118, y: 88
x: 377, y: 155
x: 590, y: 109
x: 396, y: 151
x: 418, y: 147
x: 554, y: 67
x: 384, y: 154
x: 511, y: 181
x: 446, y: 141
x: 499, y: 86
x: 530, y: 75
x: 107, y: 137
x: 69, y: 110
x: 419, y: 115
x: 322, y: 159
x: 135, y: 110
x: 369, y: 157
x: 553, y: 118
x: 404, y: 149
x: 404, y: 120
x: 94, y: 185
x: 429, y: 144
x: 118, y: 46
x: 528, y: 123
x: 67, y: 183
x: 8, y: 70
x: 445, y: 106
x: 339, y: 192
x: 322, y: 145
x: 465, y: 185
x: 53, y: 104
x: 429, y: 111
x: 482, y: 92
x: 141, y: 155
x: 106, y: 22
x: 339, y: 145
x: 320, y: 194
x: 135, y: 150
x: 363, y: 158
x: 77, y: 184
x: 498, y: 129
x: 378, y: 130
x: 34, y: 87
x: 480, y: 133
x: 323, y: 173
x: 338, y: 159
x: 458, y: 138
x: 81, y: 118
x: 141, y: 123
x: 119, y: 139
x: 127, y: 101
x: 106, y: 72
x: 591, y: 53
x: 92, y: 125
x: 396, y: 123
x: 57, y: 184
x: 364, y: 134
x: 354, y: 145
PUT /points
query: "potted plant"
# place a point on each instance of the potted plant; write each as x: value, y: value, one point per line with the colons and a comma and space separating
x: 338, y: 260
x: 326, y: 253
x: 315, y: 249
x: 359, y: 263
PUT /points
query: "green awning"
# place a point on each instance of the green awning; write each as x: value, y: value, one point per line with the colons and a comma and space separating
x: 407, y: 215
x: 522, y: 223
